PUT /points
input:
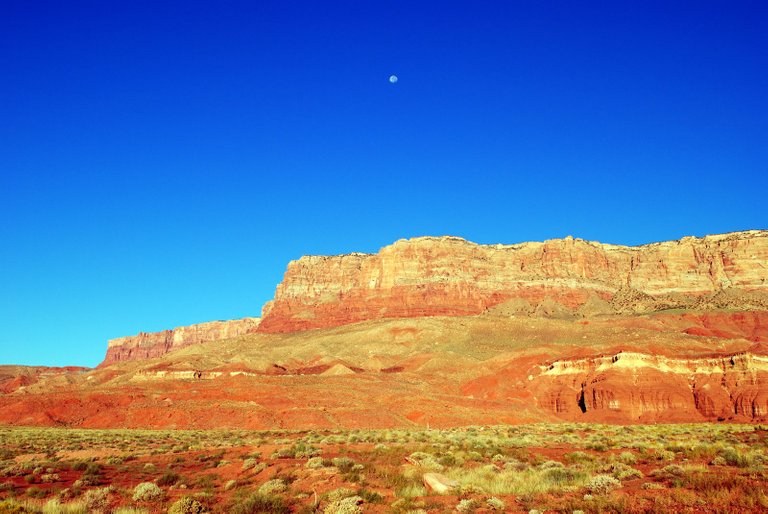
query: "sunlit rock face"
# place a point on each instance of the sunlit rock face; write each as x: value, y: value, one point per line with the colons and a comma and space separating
x: 561, y: 330
x: 431, y: 276
x: 156, y: 344
x: 632, y: 387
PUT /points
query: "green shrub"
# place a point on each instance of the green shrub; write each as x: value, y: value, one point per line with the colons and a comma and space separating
x: 283, y: 453
x: 339, y: 494
x: 187, y: 505
x: 36, y: 492
x: 80, y: 465
x: 147, y: 492
x: 49, y: 478
x: 249, y: 463
x: 740, y: 459
x: 12, y: 507
x: 577, y: 457
x: 474, y: 456
x: 343, y: 463
x: 628, y: 458
x: 496, y: 504
x: 469, y: 489
x: 369, y: 496
x: 259, y: 503
x: 92, y: 474
x: 665, y: 455
x: 562, y: 476
x: 621, y: 471
x: 272, y: 486
x: 54, y: 506
x: 97, y: 500
x: 467, y: 505
x: 206, y: 481
x: 350, y: 505
x: 407, y: 506
x: 597, y: 446
x: 671, y: 471
x: 93, y: 468
x: 168, y: 478
x: 304, y: 451
x: 602, y: 484
x: 314, y: 463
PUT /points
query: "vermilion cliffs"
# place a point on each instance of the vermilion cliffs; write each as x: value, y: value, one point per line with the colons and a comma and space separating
x: 156, y: 344
x: 450, y: 276
x: 442, y: 331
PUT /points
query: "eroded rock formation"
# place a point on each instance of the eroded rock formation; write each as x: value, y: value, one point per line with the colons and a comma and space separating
x: 566, y: 329
x: 632, y: 387
x: 155, y: 344
x: 450, y: 276
x: 16, y: 378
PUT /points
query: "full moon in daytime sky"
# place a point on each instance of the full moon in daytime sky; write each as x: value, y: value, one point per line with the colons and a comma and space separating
x: 393, y: 78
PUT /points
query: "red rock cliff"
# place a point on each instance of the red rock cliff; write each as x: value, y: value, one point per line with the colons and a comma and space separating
x: 450, y: 276
x: 155, y: 344
x: 631, y: 387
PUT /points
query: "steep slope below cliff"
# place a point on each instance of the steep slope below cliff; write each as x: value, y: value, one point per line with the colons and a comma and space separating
x: 441, y: 371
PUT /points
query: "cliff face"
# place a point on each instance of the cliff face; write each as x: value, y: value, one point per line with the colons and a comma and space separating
x: 631, y: 387
x: 450, y: 276
x: 156, y: 344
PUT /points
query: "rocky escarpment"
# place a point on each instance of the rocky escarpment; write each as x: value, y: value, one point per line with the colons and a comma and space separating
x: 155, y: 344
x: 450, y: 276
x: 632, y: 387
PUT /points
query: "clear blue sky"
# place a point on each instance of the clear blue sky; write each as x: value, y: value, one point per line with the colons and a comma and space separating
x: 160, y: 163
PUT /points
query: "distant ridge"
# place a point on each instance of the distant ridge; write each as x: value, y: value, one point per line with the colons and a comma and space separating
x: 450, y: 276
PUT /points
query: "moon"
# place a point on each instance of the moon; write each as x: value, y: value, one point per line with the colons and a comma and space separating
x: 393, y: 79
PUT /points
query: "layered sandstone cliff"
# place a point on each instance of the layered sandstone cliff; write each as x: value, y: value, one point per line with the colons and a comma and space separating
x: 631, y: 387
x: 155, y: 344
x: 450, y: 276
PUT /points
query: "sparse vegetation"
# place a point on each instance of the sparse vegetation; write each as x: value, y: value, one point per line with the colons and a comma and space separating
x: 348, y: 505
x: 147, y: 492
x: 187, y: 505
x: 562, y: 468
x: 603, y: 484
x: 168, y: 478
x: 259, y: 503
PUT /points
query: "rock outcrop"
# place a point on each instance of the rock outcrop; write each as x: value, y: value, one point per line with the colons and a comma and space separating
x: 431, y: 276
x: 636, y: 387
x: 155, y: 344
